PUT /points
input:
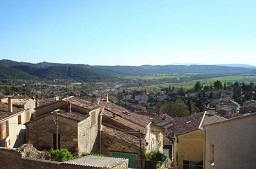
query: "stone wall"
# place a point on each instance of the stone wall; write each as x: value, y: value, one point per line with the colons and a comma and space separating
x: 40, y: 133
x: 11, y: 159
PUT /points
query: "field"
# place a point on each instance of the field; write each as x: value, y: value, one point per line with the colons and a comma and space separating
x: 188, y: 81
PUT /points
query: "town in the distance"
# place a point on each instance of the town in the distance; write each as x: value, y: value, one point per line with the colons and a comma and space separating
x: 77, y: 116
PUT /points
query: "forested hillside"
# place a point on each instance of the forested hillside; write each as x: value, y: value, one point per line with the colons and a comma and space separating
x: 82, y: 72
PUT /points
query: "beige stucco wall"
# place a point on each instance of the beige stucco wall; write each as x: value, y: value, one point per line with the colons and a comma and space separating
x: 154, y: 138
x: 17, y: 132
x: 188, y: 147
x: 234, y: 144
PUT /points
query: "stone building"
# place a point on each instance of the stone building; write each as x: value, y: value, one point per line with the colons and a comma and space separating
x: 70, y: 123
x: 13, y: 114
x: 125, y: 133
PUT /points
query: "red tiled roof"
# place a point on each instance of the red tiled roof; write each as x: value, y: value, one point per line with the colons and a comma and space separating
x: 71, y: 115
x: 124, y: 113
x: 4, y: 113
x: 124, y: 121
x: 122, y: 135
x: 183, y: 125
x: 80, y: 102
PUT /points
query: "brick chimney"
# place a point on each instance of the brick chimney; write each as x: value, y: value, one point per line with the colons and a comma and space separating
x: 10, y: 104
x: 107, y: 98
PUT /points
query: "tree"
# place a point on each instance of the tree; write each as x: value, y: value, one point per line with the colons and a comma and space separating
x: 177, y: 108
x: 198, y: 86
x: 217, y: 85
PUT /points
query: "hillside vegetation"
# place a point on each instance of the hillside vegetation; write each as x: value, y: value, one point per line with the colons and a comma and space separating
x: 82, y: 72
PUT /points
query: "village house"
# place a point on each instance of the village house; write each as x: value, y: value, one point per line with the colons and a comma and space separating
x: 226, y: 107
x: 13, y: 114
x: 231, y: 143
x: 249, y: 106
x: 70, y: 123
x: 125, y: 133
x: 188, y: 139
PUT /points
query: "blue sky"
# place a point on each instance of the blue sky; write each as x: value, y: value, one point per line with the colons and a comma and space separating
x: 129, y: 32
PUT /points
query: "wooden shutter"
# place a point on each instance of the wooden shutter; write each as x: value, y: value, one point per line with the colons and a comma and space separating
x: 7, y: 128
x: 0, y: 131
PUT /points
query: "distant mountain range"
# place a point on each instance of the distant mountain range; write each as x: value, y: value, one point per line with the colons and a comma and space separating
x: 81, y: 72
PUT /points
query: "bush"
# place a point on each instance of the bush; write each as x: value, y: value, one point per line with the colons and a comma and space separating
x: 155, y: 156
x: 61, y: 155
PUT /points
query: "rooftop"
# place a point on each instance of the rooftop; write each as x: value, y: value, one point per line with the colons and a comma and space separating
x: 97, y: 161
x: 126, y: 136
x: 124, y: 113
x: 80, y: 102
x: 4, y: 113
x: 183, y: 125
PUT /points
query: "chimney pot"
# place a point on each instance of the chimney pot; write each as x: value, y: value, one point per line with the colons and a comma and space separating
x: 10, y: 104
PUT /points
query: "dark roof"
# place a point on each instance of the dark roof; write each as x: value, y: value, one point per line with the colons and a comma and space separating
x: 124, y: 113
x: 183, y: 125
x: 82, y: 103
x: 4, y: 113
x: 71, y: 115
x: 162, y: 120
x: 124, y: 121
x: 62, y: 113
x: 130, y: 138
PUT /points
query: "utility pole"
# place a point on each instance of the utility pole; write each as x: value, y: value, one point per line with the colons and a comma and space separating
x: 56, y: 121
x: 141, y: 156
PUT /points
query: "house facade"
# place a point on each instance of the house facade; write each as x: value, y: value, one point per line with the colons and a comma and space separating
x: 188, y: 139
x: 125, y: 133
x: 70, y: 123
x: 12, y: 120
x: 231, y: 143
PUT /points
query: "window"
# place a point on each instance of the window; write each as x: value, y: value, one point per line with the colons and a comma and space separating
x: 19, y: 119
x: 4, y: 130
x: 212, y: 154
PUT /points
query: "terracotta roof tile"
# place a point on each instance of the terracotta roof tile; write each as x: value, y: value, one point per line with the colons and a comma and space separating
x: 71, y: 115
x: 4, y: 113
x: 126, y: 114
x: 82, y: 103
x: 122, y: 135
x: 183, y: 125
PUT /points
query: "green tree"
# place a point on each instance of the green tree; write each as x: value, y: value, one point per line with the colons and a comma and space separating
x: 217, y: 85
x: 177, y: 108
x: 198, y: 86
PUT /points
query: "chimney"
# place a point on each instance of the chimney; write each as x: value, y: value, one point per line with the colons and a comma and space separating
x: 36, y: 102
x: 9, y: 104
x: 69, y: 107
x: 56, y: 98
x: 107, y: 98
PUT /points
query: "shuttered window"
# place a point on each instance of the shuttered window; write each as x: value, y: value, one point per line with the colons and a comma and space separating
x: 19, y: 119
x: 4, y: 130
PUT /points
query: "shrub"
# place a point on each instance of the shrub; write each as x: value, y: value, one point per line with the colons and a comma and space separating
x: 61, y: 155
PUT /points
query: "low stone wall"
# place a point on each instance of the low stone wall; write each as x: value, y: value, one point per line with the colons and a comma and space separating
x: 12, y: 159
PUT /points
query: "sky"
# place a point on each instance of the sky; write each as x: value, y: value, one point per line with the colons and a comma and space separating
x: 129, y: 32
